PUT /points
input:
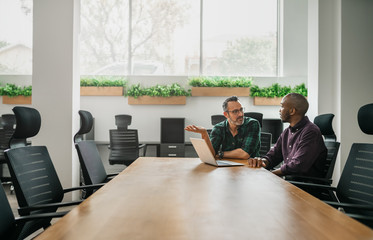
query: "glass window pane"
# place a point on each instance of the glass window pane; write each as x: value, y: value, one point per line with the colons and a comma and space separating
x: 104, y: 37
x: 240, y: 37
x: 16, y: 37
x: 165, y: 37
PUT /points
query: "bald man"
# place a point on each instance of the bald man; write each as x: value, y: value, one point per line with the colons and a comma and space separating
x: 300, y: 146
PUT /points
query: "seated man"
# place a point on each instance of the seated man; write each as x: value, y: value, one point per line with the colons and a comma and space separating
x: 300, y: 146
x: 236, y: 137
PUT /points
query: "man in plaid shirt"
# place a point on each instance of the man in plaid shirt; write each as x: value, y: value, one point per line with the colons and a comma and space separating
x: 236, y: 137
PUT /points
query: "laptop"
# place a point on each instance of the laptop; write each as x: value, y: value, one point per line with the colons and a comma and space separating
x: 206, y: 156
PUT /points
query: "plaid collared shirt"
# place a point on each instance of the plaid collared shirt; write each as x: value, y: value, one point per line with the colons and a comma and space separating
x: 247, y: 138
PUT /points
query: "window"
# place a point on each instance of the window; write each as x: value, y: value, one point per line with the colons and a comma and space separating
x: 15, y: 37
x: 240, y: 37
x: 179, y: 37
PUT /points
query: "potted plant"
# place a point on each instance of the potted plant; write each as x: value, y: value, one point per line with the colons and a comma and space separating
x: 220, y: 86
x: 102, y: 86
x: 13, y: 94
x: 273, y: 95
x: 157, y: 95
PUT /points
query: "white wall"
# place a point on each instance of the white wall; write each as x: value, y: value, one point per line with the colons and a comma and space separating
x: 356, y: 69
x: 56, y: 82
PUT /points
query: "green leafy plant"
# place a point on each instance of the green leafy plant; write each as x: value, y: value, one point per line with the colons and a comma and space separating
x: 103, y: 81
x: 157, y: 91
x: 13, y: 90
x: 220, y: 81
x: 276, y: 90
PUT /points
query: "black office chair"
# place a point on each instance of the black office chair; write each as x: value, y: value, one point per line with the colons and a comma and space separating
x: 354, y: 192
x: 93, y: 169
x: 256, y: 115
x: 6, y: 131
x: 20, y: 227
x: 215, y: 119
x: 37, y: 186
x: 324, y: 122
x: 124, y: 146
x: 265, y: 143
x: 122, y: 121
x: 124, y: 143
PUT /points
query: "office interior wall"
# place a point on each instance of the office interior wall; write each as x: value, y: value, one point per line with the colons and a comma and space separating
x: 356, y: 69
x: 56, y: 82
x: 329, y: 64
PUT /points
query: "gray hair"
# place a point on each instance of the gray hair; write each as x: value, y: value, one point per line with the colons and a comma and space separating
x: 230, y: 99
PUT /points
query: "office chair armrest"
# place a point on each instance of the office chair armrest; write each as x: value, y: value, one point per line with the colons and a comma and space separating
x: 40, y: 216
x: 26, y: 210
x: 143, y: 146
x: 350, y: 205
x: 360, y: 217
x: 306, y: 178
x: 111, y: 175
x: 312, y: 185
x: 93, y: 186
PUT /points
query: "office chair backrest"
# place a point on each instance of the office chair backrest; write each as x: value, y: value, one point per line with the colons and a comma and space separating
x: 33, y: 175
x: 122, y: 121
x: 256, y: 115
x: 355, y: 184
x: 8, y: 121
x: 265, y: 143
x: 86, y: 123
x: 324, y: 122
x: 365, y: 118
x: 331, y: 157
x: 215, y: 119
x: 90, y: 161
x: 124, y: 146
x: 7, y: 222
x: 28, y: 122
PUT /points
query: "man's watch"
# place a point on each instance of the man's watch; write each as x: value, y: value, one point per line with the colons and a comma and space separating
x: 221, y: 154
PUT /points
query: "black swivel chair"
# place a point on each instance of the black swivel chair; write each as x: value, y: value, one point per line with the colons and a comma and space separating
x: 265, y: 143
x: 215, y: 119
x: 6, y: 131
x: 122, y: 121
x: 256, y: 115
x: 36, y: 183
x: 124, y: 142
x: 354, y: 192
x: 93, y: 170
x: 324, y: 122
x: 12, y: 228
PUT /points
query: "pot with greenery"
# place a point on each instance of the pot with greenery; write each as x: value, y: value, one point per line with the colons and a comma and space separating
x: 220, y: 86
x: 273, y: 95
x: 157, y: 95
x: 13, y: 94
x: 102, y: 86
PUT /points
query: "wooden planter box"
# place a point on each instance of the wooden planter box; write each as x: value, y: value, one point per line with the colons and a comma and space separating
x: 220, y: 91
x: 17, y: 100
x: 147, y: 100
x: 101, y: 91
x: 276, y: 101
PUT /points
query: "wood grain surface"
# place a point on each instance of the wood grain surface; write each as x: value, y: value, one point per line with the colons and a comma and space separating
x: 182, y: 198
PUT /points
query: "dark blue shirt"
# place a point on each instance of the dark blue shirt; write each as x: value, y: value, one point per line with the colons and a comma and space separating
x: 301, y: 148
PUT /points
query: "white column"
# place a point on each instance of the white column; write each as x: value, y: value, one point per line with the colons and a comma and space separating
x: 56, y: 82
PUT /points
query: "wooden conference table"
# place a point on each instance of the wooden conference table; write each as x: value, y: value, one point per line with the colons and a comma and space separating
x: 182, y: 198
